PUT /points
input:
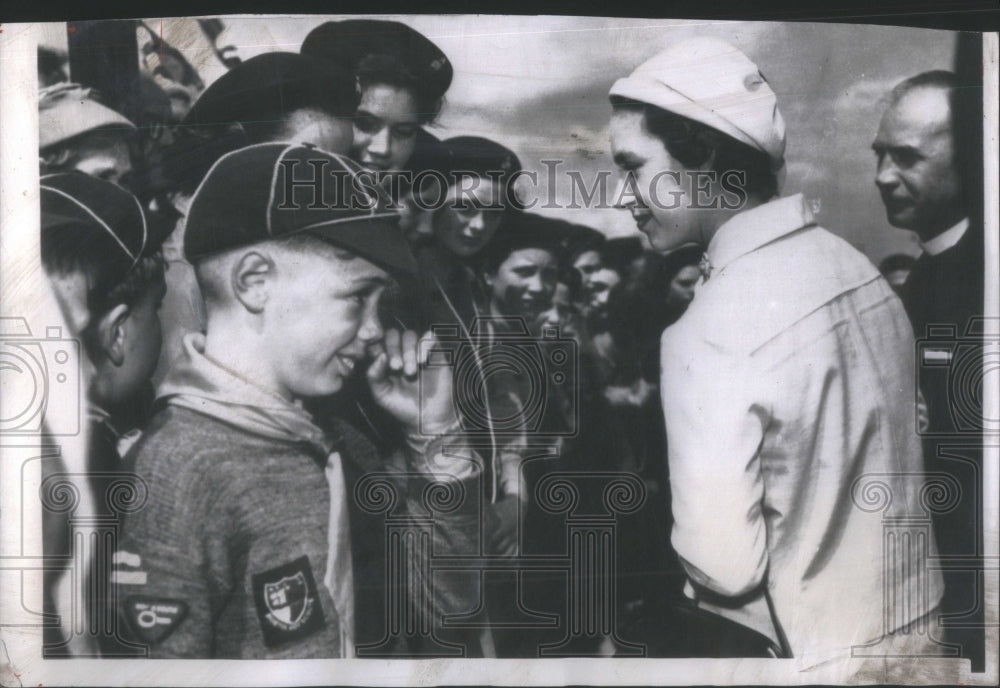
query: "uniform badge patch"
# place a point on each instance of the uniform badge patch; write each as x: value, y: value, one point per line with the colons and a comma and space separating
x: 288, y: 605
x: 154, y: 618
x: 125, y: 569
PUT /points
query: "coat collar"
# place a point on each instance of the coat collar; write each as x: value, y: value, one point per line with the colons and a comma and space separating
x: 749, y: 230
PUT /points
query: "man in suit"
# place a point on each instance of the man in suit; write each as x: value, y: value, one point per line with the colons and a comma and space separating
x: 920, y: 180
x: 921, y: 186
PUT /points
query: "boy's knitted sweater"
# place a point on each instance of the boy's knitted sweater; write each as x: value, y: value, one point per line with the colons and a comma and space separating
x: 229, y: 557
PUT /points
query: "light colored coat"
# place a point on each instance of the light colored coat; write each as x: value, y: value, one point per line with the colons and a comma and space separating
x: 788, y: 392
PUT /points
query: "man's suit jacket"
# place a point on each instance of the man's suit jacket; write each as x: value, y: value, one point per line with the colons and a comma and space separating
x: 947, y: 290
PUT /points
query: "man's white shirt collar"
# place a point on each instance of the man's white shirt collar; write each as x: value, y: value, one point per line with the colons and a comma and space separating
x: 946, y: 239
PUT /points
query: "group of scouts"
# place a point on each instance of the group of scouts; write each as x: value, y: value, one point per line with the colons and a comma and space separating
x: 272, y: 335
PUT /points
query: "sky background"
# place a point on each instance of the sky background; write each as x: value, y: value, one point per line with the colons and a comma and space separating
x: 539, y: 85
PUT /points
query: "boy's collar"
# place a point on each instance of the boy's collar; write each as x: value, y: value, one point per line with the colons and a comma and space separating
x: 245, y: 380
x: 203, y: 385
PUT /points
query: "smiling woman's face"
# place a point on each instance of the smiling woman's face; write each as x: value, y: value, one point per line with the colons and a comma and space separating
x: 469, y: 219
x: 524, y: 283
x: 659, y: 199
x: 385, y: 128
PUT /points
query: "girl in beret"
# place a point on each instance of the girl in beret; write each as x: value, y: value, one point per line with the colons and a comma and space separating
x: 402, y: 78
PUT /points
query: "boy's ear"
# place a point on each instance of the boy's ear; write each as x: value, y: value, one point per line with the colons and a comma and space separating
x: 111, y: 334
x: 250, y: 276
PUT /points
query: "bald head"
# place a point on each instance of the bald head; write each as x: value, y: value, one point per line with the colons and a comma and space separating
x: 917, y: 173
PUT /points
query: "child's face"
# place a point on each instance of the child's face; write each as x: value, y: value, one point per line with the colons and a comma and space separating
x: 468, y: 219
x: 385, y: 127
x: 524, y: 282
x: 560, y: 313
x: 320, y: 317
x: 142, y: 338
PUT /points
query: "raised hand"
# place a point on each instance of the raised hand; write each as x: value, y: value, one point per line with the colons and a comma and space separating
x: 418, y: 395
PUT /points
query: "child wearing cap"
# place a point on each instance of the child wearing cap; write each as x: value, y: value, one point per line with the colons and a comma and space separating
x: 106, y: 268
x: 519, y: 270
x: 784, y: 382
x: 402, y: 76
x: 271, y: 97
x: 244, y: 549
x: 465, y: 195
x: 76, y: 131
x: 107, y: 273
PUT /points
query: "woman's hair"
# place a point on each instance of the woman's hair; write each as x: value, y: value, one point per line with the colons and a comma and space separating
x: 692, y: 143
x: 391, y: 71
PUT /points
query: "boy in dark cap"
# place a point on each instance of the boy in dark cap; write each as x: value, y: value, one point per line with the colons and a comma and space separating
x: 107, y: 273
x: 403, y: 77
x: 105, y: 266
x: 585, y: 257
x: 520, y: 267
x: 270, y: 97
x: 244, y: 547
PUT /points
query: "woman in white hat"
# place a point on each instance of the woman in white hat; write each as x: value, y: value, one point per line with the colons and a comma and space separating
x: 787, y: 381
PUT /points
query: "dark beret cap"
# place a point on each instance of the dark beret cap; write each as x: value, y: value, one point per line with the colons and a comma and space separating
x: 468, y: 155
x: 480, y: 156
x: 113, y: 214
x: 248, y: 198
x: 268, y: 87
x: 521, y: 230
x: 347, y: 43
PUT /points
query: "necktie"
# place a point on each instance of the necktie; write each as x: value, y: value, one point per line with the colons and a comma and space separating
x: 339, y: 578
